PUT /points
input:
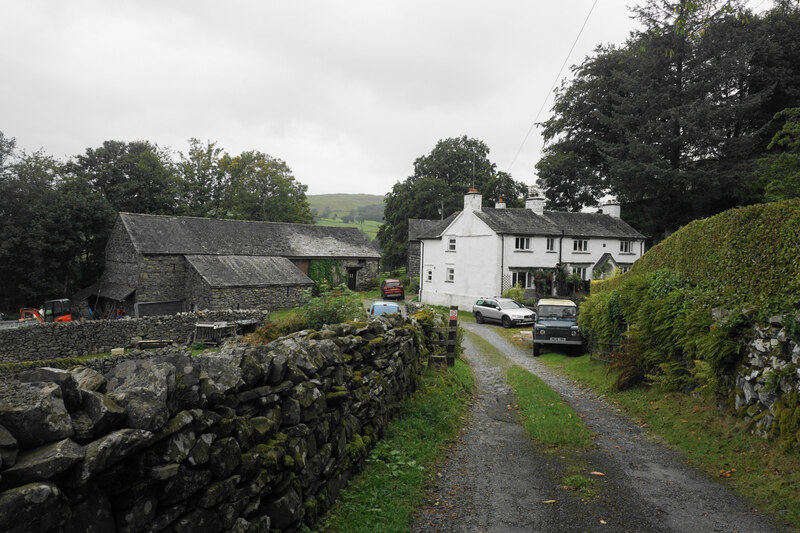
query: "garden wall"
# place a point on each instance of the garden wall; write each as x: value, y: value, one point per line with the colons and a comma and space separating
x: 73, y: 339
x: 768, y: 382
x: 247, y: 439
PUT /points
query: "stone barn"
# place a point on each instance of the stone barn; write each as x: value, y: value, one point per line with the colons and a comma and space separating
x: 166, y: 264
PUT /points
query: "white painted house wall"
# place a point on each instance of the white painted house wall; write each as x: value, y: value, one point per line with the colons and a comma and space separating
x: 482, y: 258
x: 595, y: 250
x: 474, y: 263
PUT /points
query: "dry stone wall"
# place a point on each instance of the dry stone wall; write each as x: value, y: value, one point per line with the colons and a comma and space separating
x: 247, y: 439
x: 73, y: 339
x: 767, y: 382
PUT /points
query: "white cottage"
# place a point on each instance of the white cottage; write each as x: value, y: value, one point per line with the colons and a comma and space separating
x: 482, y: 251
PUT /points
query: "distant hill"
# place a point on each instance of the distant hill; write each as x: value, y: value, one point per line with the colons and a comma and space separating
x: 366, y: 206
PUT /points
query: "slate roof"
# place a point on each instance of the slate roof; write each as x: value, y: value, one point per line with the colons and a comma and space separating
x: 157, y: 234
x: 592, y: 225
x: 518, y: 221
x: 419, y: 228
x: 106, y: 289
x: 523, y: 221
x: 247, y: 271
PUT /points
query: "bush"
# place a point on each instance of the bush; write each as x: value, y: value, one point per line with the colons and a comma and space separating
x: 333, y: 307
x: 278, y: 328
x: 515, y: 293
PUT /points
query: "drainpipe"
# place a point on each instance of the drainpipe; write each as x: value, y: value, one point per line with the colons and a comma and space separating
x: 502, y: 260
x: 558, y: 265
x: 421, y: 267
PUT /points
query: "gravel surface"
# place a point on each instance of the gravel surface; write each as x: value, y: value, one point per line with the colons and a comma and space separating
x: 496, y: 480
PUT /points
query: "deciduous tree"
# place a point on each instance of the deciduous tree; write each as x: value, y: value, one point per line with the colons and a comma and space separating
x: 437, y: 188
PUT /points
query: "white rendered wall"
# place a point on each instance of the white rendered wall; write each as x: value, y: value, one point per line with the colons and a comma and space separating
x: 475, y: 263
x: 596, y: 248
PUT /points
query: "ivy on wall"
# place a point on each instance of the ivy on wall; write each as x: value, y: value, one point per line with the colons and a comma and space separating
x: 324, y: 271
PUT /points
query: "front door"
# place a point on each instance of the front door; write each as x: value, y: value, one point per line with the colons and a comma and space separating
x: 352, y: 277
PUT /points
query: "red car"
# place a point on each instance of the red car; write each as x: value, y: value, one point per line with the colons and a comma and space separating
x: 392, y: 288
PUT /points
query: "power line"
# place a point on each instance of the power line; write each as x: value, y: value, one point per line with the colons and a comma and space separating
x: 547, y: 95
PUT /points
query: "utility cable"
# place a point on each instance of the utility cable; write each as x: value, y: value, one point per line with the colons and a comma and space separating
x: 547, y: 96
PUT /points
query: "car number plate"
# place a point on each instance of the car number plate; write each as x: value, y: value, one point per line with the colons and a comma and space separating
x: 561, y: 339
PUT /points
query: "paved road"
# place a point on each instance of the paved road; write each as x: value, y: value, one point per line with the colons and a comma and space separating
x: 496, y: 480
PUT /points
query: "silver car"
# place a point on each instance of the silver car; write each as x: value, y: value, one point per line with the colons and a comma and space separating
x: 504, y: 310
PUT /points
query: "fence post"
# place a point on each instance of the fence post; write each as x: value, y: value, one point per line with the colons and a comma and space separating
x: 451, y: 336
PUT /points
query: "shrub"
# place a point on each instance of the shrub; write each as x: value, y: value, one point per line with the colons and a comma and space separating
x: 278, y: 328
x: 515, y: 293
x: 333, y: 307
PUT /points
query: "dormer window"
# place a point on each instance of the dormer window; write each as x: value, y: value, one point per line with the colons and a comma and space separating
x: 451, y: 244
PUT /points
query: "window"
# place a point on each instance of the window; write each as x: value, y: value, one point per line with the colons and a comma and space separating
x: 429, y: 276
x: 580, y: 245
x: 522, y: 278
x: 451, y: 244
x: 451, y: 275
x: 580, y: 271
x: 551, y: 244
x: 522, y: 243
x: 624, y: 269
x: 625, y: 247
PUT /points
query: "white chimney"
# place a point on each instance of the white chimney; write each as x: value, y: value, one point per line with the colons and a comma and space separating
x: 500, y: 204
x: 472, y: 200
x: 534, y: 201
x: 612, y: 208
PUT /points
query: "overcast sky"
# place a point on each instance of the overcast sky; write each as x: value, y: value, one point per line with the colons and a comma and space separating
x: 348, y: 93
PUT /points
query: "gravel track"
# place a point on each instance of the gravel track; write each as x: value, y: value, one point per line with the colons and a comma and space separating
x: 496, y: 480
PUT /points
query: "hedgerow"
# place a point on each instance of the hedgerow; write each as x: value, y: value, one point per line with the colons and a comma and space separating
x: 745, y: 261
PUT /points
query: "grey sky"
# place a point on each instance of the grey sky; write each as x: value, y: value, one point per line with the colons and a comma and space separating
x: 347, y: 93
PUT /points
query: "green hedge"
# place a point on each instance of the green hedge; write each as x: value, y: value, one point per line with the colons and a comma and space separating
x: 750, y: 254
x: 746, y: 261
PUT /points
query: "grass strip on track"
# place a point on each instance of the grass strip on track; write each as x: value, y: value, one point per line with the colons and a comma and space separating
x: 712, y: 441
x: 544, y: 415
x: 389, y: 491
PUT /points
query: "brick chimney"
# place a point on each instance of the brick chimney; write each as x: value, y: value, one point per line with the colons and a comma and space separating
x: 472, y: 200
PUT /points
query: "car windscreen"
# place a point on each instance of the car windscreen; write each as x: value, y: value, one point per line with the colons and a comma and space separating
x: 392, y: 284
x: 512, y: 305
x: 556, y: 311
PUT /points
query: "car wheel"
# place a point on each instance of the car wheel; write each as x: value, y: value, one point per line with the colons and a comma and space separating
x: 536, y: 350
x: 506, y: 322
x: 479, y: 318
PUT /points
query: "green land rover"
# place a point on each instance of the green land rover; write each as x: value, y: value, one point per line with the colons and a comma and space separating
x: 556, y: 323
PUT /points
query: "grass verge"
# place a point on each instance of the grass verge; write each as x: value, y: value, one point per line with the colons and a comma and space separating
x: 390, y: 490
x: 712, y: 441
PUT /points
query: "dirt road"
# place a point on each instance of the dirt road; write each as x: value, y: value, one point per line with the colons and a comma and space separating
x: 496, y: 480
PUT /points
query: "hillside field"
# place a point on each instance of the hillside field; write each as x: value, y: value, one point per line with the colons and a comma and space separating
x: 370, y: 227
x: 343, y: 204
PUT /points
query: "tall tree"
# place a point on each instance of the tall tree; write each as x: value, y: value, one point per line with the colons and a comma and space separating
x: 263, y: 188
x: 202, y: 180
x: 780, y: 170
x: 54, y: 230
x: 671, y: 122
x: 437, y: 188
x: 135, y: 177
